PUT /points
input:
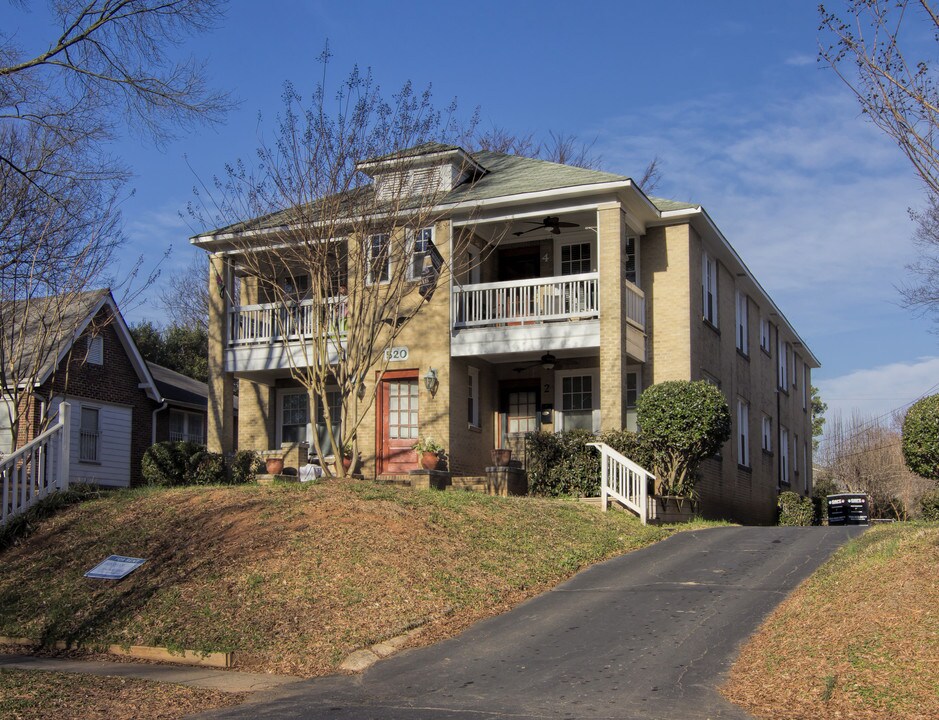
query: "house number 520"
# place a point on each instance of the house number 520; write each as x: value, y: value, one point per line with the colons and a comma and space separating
x: 396, y: 354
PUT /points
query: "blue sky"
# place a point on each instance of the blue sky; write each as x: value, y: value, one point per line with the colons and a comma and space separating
x: 727, y: 94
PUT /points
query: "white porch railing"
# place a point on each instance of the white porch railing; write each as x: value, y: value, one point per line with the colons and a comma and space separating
x: 36, y: 469
x: 268, y: 323
x: 538, y: 300
x: 623, y: 480
x: 635, y: 304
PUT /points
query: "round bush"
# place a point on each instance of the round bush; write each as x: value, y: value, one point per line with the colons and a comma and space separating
x: 207, y: 468
x: 795, y: 509
x: 921, y: 437
x: 681, y: 423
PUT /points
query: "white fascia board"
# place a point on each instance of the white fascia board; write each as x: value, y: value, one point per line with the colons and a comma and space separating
x: 699, y: 213
x: 508, y: 217
x: 130, y: 347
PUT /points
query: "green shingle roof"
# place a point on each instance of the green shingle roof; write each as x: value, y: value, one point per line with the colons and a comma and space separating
x: 505, y: 175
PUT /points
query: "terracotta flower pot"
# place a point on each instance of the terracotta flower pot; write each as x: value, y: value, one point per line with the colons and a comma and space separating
x: 429, y: 460
x: 274, y: 465
x: 346, y: 462
x: 501, y: 457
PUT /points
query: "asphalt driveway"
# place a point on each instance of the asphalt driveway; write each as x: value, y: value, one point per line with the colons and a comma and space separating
x: 646, y: 635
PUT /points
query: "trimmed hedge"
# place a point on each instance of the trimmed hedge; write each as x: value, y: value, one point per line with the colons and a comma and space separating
x: 561, y: 464
x: 172, y: 464
x: 795, y: 510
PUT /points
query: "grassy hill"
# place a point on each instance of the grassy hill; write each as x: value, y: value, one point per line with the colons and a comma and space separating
x: 858, y: 639
x: 293, y: 578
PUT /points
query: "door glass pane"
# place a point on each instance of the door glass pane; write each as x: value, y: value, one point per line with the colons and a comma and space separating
x: 403, y: 395
x: 522, y: 409
x: 294, y: 418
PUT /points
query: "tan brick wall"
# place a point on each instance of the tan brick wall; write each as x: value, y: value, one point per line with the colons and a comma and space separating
x: 611, y: 237
x: 664, y: 262
x: 256, y: 409
x: 220, y: 432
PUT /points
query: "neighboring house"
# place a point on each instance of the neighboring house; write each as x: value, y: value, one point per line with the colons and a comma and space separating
x: 577, y: 292
x: 88, y: 357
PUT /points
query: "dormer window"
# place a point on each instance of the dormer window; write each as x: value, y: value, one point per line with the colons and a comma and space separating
x: 427, y: 169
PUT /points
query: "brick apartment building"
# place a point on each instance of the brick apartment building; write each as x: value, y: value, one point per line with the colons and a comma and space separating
x: 573, y: 291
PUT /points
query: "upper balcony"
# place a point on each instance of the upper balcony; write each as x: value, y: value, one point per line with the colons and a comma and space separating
x: 551, y: 313
x: 487, y: 319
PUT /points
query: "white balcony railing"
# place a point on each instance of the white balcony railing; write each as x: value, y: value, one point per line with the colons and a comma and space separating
x: 635, y: 304
x: 272, y: 322
x: 521, y: 301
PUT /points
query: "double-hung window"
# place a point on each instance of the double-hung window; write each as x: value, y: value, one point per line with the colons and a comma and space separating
x: 575, y: 258
x: 743, y: 330
x: 765, y: 335
x: 579, y: 400
x: 378, y: 258
x: 743, y: 433
x: 767, y: 442
x: 783, y: 455
x: 784, y: 367
x: 420, y: 243
x: 294, y: 417
x: 89, y: 435
x: 709, y: 288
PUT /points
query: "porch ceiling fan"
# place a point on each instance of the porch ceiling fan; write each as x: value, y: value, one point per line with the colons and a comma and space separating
x: 552, y: 223
x: 547, y: 361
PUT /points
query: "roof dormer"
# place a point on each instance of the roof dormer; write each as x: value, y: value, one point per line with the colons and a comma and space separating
x: 428, y: 169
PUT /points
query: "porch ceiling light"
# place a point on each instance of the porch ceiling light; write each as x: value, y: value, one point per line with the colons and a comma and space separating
x: 547, y: 361
x: 431, y: 382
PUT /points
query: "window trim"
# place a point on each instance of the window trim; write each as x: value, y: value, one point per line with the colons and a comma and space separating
x: 279, y: 420
x: 96, y: 460
x: 766, y: 434
x: 766, y: 336
x: 559, y: 376
x: 559, y: 251
x: 412, y: 236
x: 369, y: 261
x: 783, y: 367
x: 784, y: 475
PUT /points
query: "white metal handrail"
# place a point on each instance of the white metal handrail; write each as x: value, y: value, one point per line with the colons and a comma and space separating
x: 623, y: 480
x: 26, y: 474
x: 538, y: 300
x: 267, y: 323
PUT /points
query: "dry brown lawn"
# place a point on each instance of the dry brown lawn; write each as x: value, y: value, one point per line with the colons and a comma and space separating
x: 291, y: 579
x: 37, y: 695
x: 857, y: 640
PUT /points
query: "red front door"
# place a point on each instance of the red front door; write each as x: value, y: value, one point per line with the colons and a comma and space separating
x: 398, y: 422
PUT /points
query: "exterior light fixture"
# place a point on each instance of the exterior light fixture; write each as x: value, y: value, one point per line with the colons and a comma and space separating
x: 431, y: 382
x: 547, y: 361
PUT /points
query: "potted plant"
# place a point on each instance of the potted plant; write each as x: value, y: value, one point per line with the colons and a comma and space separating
x: 429, y: 452
x: 347, y: 456
x: 273, y: 462
x: 501, y: 457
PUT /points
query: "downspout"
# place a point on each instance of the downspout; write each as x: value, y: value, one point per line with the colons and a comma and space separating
x: 153, y: 421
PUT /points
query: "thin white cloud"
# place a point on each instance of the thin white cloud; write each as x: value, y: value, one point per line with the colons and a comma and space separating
x: 800, y: 60
x: 880, y: 390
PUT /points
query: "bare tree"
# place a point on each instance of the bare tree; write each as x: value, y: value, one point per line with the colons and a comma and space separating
x: 874, y: 47
x: 107, y: 68
x: 861, y: 454
x: 184, y: 295
x: 348, y: 260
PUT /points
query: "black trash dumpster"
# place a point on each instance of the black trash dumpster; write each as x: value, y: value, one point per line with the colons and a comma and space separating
x: 848, y: 509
